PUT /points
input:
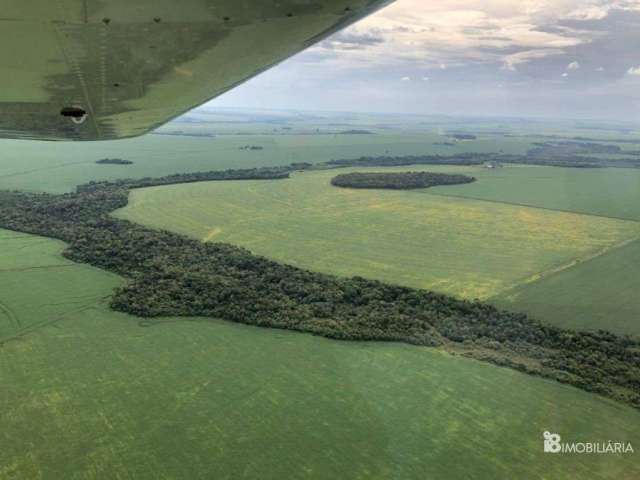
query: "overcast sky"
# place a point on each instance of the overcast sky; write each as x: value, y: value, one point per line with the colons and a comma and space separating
x: 560, y: 58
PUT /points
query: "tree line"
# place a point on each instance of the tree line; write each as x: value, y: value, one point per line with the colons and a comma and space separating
x: 172, y: 275
x: 535, y: 156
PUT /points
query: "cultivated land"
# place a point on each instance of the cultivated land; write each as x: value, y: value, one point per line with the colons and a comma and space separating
x: 610, y: 192
x: 599, y: 293
x: 88, y: 393
x: 28, y: 263
x: 95, y: 395
x: 469, y: 248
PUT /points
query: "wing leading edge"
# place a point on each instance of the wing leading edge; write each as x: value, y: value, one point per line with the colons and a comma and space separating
x: 107, y: 69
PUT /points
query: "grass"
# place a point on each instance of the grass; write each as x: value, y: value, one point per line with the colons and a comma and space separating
x: 95, y: 395
x: 601, y: 293
x: 30, y: 263
x: 469, y: 248
x: 611, y: 192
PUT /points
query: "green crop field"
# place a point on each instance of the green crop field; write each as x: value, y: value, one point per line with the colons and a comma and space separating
x: 470, y: 248
x: 28, y: 263
x: 610, y: 192
x: 92, y: 394
x: 599, y: 293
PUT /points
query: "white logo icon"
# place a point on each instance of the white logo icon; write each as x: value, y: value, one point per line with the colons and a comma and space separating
x: 551, y: 442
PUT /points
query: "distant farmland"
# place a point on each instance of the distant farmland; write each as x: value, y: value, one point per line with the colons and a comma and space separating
x: 59, y: 167
x: 208, y: 399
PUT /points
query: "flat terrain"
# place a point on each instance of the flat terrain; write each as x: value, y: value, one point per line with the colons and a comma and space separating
x: 29, y: 264
x: 469, y: 248
x: 88, y: 393
x: 612, y: 192
x: 601, y: 293
x: 59, y: 166
x: 95, y: 395
x: 598, y: 293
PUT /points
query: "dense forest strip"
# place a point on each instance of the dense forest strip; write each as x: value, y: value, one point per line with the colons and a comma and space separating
x: 172, y: 275
x: 398, y: 180
x: 268, y: 173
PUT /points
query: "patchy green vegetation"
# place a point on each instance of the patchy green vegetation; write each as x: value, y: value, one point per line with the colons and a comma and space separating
x: 59, y: 167
x: 395, y: 238
x: 172, y: 275
x: 201, y: 398
x: 456, y: 246
x: 398, y: 180
x: 189, y: 398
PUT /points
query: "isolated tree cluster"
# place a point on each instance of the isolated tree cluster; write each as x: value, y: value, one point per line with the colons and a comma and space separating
x: 398, y: 180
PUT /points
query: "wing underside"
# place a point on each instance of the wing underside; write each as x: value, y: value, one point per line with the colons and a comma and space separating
x: 106, y: 69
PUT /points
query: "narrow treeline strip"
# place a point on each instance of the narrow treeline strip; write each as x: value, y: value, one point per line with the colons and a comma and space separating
x: 268, y: 173
x: 172, y: 275
x: 470, y: 159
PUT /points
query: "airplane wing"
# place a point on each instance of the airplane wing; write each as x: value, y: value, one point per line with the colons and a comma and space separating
x: 107, y: 69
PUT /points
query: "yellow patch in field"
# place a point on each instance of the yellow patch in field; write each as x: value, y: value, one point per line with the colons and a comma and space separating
x: 212, y: 233
x: 183, y: 72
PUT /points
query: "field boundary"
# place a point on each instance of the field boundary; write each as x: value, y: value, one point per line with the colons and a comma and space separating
x: 13, y: 319
x: 551, y: 271
x: 38, y: 267
x: 538, y: 277
x: 625, y: 219
x: 28, y: 329
x: 44, y: 169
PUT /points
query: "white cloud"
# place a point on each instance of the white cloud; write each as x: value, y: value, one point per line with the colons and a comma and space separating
x: 426, y: 79
x: 452, y: 33
x: 511, y: 61
x: 634, y: 70
x: 405, y: 79
x: 565, y: 74
x: 592, y: 12
x: 573, y: 66
x: 600, y: 69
